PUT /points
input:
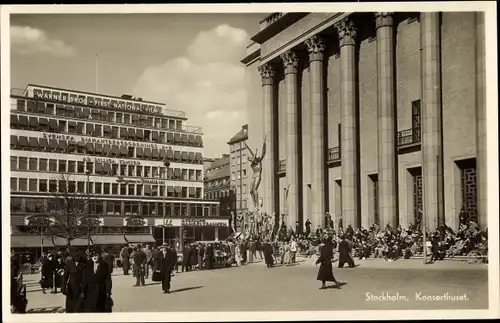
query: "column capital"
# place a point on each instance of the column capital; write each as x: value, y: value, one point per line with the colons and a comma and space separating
x: 347, y: 32
x: 315, y: 47
x: 383, y: 19
x: 290, y: 62
x: 267, y: 73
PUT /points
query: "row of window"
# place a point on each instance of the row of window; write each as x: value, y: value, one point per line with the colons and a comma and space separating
x: 66, y: 187
x: 102, y: 169
x: 238, y: 146
x: 216, y: 183
x: 217, y: 194
x: 237, y: 160
x: 92, y: 129
x: 102, y: 150
x: 100, y: 207
x: 238, y: 174
x: 69, y: 111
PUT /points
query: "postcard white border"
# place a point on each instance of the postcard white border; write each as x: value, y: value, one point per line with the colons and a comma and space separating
x: 492, y: 163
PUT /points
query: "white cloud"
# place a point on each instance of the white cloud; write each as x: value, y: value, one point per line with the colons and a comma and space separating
x: 27, y: 40
x: 208, y: 84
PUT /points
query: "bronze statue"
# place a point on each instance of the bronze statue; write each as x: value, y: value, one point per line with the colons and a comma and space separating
x: 256, y: 164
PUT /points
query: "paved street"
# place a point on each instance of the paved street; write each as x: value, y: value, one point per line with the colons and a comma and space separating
x: 257, y: 288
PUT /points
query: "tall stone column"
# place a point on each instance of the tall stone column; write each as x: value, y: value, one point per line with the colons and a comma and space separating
x: 385, y: 120
x: 349, y: 132
x: 291, y: 63
x: 316, y: 49
x: 481, y: 155
x: 432, y: 151
x: 267, y: 188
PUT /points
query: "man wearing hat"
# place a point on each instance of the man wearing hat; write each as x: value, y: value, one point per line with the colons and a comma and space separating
x: 96, y: 284
x: 168, y: 259
x: 140, y: 260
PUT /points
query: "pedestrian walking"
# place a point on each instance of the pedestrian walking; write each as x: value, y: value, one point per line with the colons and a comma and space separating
x: 345, y: 253
x: 325, y: 272
x: 167, y: 263
x: 268, y: 253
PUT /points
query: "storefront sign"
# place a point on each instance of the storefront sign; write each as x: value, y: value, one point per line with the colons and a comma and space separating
x: 96, y: 101
x: 140, y: 181
x: 167, y: 222
x: 190, y: 222
x: 104, y: 141
x: 39, y: 221
x: 127, y: 143
x: 135, y: 222
x: 204, y: 223
x: 112, y: 161
x: 91, y: 222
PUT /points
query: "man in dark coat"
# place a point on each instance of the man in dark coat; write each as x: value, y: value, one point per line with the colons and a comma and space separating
x: 209, y: 257
x: 308, y: 227
x: 267, y: 248
x: 140, y: 260
x: 325, y: 272
x: 109, y: 258
x: 72, y: 283
x: 125, y: 255
x: 167, y: 262
x: 186, y: 258
x: 96, y: 285
x: 345, y: 253
x: 47, y: 280
x: 201, y: 256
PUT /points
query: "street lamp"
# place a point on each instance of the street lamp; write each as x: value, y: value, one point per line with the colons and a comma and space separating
x: 87, y: 172
x: 167, y: 165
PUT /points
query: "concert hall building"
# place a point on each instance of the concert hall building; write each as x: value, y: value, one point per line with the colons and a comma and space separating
x: 123, y: 143
x: 374, y: 117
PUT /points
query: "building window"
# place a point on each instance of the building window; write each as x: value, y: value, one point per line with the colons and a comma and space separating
x: 53, y: 185
x: 13, y: 163
x: 123, y: 189
x: 468, y: 181
x: 374, y: 198
x: 244, y: 172
x: 23, y: 184
x: 114, y: 189
x: 71, y: 166
x: 52, y: 165
x: 131, y: 189
x: 33, y: 185
x: 42, y: 164
x: 71, y: 186
x: 81, y: 187
x: 119, y: 117
x: 244, y: 189
x: 42, y: 185
x: 16, y: 204
x: 62, y: 166
x: 13, y: 184
x: 233, y: 176
x: 81, y: 167
x: 98, y: 188
x: 23, y: 163
x: 80, y: 128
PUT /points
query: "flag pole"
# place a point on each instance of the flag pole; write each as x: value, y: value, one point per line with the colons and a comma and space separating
x: 97, y: 73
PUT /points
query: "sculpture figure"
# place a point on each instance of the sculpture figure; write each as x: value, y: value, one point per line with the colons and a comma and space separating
x: 256, y: 164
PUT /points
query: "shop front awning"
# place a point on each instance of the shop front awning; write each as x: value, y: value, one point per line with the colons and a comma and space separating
x: 108, y: 239
x: 32, y: 241
x: 140, y: 238
x: 78, y: 242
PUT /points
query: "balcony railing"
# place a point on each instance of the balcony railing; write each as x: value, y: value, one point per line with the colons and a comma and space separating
x: 333, y: 154
x: 408, y: 137
x: 273, y: 17
x: 282, y: 166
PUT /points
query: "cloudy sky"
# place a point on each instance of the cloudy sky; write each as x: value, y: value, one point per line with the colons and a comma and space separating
x: 189, y: 61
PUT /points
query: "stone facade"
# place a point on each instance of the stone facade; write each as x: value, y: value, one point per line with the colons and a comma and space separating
x: 372, y: 121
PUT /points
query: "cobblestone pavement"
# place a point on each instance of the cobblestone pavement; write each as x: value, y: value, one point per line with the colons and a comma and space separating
x: 257, y: 288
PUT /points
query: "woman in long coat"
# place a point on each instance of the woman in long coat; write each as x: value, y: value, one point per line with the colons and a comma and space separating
x: 47, y: 279
x: 268, y: 253
x: 325, y: 272
x: 72, y: 283
x: 124, y: 254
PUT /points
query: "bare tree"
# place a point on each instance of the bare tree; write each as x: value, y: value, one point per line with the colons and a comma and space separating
x: 67, y: 213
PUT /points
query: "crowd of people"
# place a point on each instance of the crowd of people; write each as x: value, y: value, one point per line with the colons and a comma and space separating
x: 85, y: 277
